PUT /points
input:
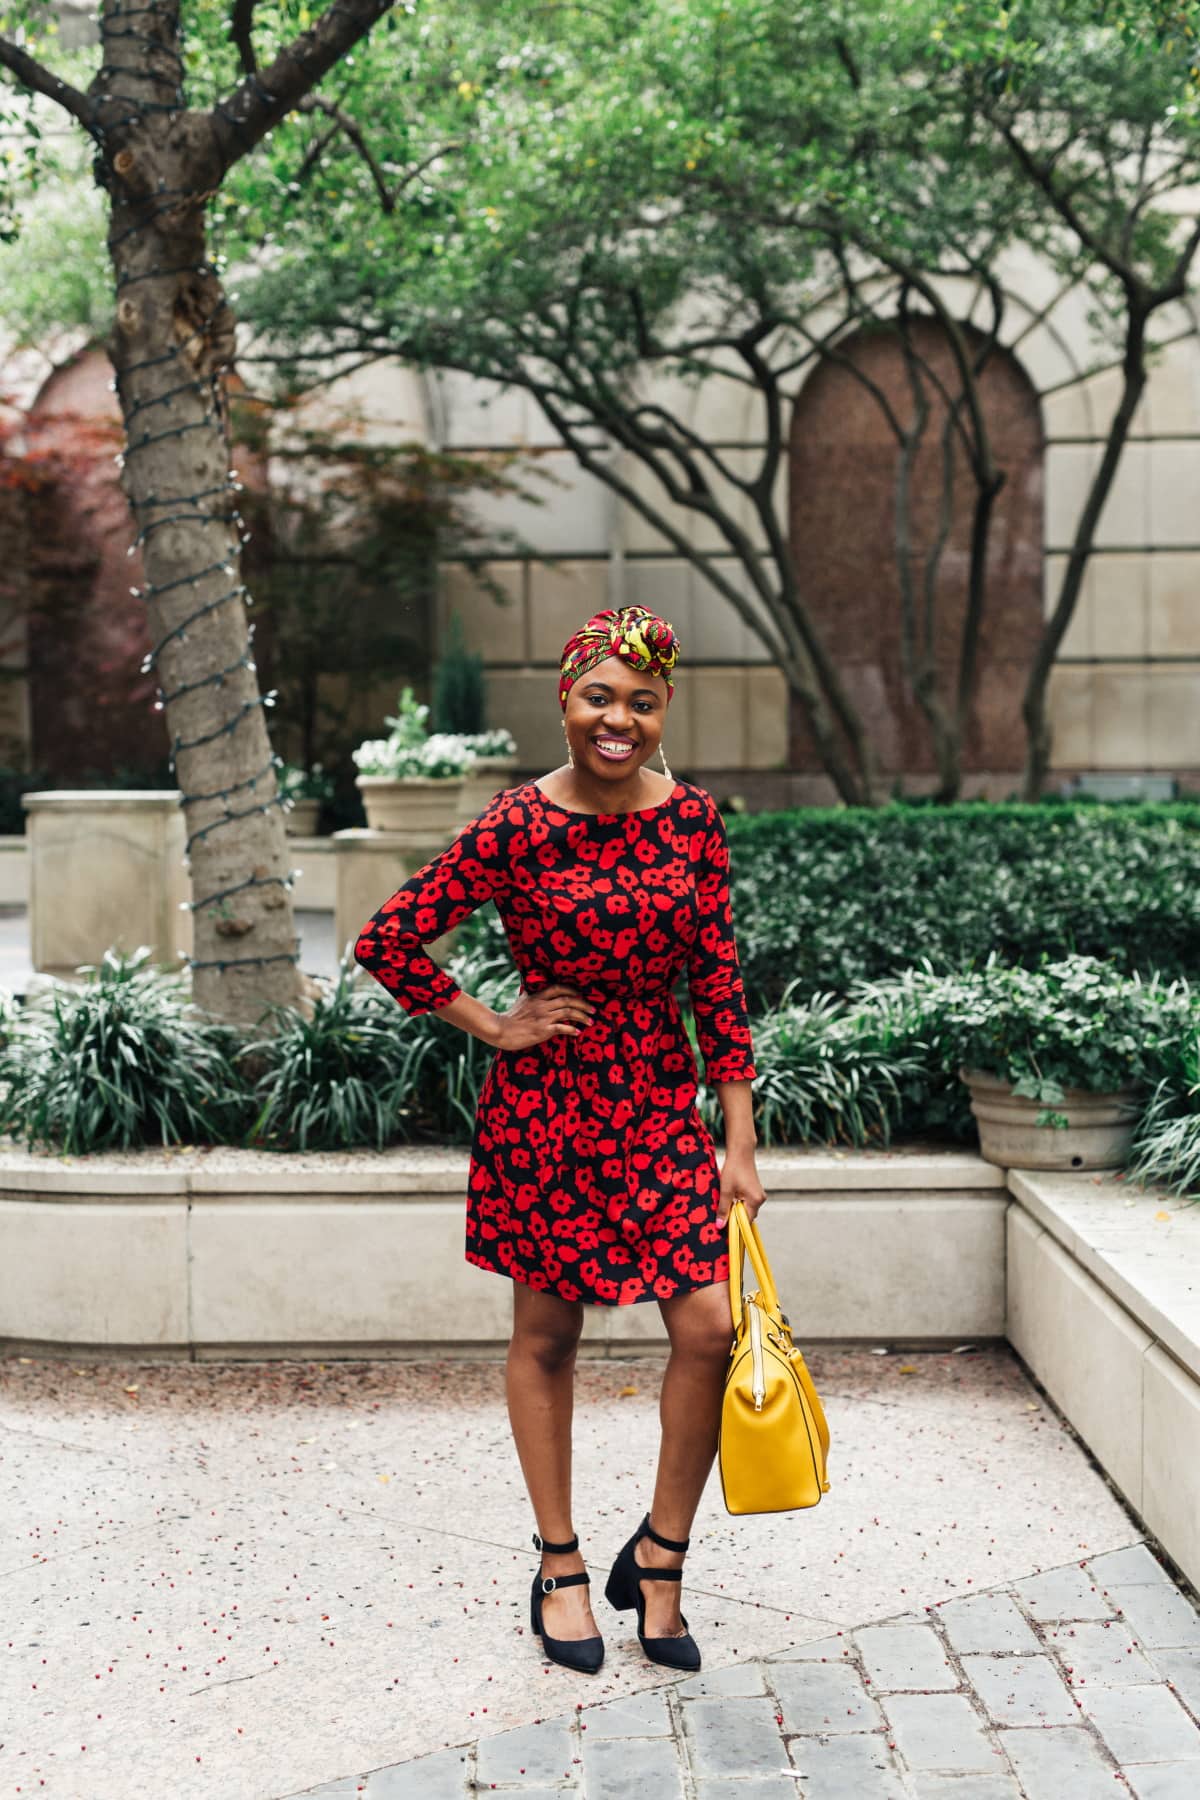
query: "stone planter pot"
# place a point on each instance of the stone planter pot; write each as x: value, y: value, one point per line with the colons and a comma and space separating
x: 301, y: 818
x: 424, y: 806
x: 484, y: 780
x: 1097, y: 1135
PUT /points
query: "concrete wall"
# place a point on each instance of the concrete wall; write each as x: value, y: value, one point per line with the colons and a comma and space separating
x: 239, y: 1252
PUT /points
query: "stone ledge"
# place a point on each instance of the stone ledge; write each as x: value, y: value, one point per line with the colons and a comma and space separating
x: 1103, y: 1303
x: 433, y: 1169
x: 242, y: 1249
x: 1143, y: 1248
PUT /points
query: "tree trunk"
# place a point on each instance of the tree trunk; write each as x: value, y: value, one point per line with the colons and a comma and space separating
x: 919, y: 658
x: 1034, y: 704
x: 172, y: 346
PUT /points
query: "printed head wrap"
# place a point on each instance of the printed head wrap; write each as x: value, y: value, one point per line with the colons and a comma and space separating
x: 639, y: 637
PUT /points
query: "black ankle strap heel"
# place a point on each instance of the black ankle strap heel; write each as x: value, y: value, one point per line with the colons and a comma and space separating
x: 585, y: 1655
x: 623, y: 1591
x: 663, y: 1543
x: 541, y: 1543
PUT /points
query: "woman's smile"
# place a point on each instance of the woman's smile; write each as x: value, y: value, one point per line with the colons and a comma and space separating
x: 614, y: 749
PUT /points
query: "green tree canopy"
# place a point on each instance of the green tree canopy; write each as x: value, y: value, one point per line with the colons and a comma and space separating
x: 643, y: 195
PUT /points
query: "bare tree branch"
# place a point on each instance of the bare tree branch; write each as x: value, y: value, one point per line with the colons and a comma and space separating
x: 353, y: 133
x: 1042, y: 177
x: 240, y: 24
x: 35, y: 76
x: 267, y: 96
x: 314, y: 153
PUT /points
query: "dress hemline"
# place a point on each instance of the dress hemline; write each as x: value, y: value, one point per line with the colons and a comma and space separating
x: 590, y: 1300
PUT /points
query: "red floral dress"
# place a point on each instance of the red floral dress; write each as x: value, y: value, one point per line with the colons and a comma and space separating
x: 592, y: 1175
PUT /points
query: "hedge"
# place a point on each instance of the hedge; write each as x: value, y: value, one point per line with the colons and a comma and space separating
x: 827, y: 896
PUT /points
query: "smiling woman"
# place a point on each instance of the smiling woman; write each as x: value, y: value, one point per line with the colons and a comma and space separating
x: 593, y: 1179
x: 617, y: 675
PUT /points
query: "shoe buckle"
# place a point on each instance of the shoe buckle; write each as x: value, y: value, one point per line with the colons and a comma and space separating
x: 548, y: 1584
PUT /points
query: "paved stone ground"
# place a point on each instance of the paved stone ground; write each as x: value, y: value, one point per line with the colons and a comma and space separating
x: 1072, y: 1684
x: 238, y: 1581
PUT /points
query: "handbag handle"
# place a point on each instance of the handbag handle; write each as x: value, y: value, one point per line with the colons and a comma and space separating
x: 743, y: 1232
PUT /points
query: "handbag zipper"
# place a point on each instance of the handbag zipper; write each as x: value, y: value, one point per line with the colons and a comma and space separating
x: 756, y: 1352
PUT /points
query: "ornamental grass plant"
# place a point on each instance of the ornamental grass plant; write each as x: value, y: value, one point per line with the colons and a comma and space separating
x: 829, y: 1073
x: 120, y: 1060
x: 1165, y: 1152
x: 358, y: 1073
x: 123, y: 1060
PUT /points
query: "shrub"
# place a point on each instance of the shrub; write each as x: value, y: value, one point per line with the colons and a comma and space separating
x: 1075, y: 1022
x: 825, y: 897
x: 121, y: 1060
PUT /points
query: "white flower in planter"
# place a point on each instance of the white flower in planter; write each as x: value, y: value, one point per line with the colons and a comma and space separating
x: 484, y: 746
x: 409, y: 751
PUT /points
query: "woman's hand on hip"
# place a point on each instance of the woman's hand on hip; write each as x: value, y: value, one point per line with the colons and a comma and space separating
x: 739, y: 1181
x: 557, y: 1010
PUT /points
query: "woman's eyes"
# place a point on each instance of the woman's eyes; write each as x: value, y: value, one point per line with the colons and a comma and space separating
x: 643, y: 705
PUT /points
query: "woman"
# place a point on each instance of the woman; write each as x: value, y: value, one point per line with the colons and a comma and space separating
x: 593, y: 1180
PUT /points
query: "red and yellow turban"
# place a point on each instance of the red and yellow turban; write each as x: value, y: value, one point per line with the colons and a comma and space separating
x: 641, y: 638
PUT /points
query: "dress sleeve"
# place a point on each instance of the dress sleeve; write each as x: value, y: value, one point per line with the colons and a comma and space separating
x: 714, y: 974
x: 472, y: 870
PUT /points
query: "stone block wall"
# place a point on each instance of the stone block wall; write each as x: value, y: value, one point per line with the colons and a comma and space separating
x: 1125, y: 691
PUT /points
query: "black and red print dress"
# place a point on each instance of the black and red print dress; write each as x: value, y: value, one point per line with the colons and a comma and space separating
x: 592, y: 1175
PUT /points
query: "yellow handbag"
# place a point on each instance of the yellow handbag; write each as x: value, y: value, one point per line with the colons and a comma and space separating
x: 773, y: 1440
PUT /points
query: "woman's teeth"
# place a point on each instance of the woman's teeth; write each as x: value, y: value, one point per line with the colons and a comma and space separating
x: 613, y: 749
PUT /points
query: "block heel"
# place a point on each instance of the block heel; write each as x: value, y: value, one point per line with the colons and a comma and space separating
x: 617, y: 1591
x: 622, y: 1591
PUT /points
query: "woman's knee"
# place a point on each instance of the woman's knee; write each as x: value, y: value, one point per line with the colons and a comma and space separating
x: 699, y: 1324
x: 545, y: 1328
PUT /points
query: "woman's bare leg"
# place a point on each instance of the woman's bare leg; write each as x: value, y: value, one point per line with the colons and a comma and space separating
x: 700, y: 1329
x: 540, y: 1389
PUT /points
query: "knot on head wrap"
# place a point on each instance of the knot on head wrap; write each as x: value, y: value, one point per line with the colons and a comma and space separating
x: 639, y: 637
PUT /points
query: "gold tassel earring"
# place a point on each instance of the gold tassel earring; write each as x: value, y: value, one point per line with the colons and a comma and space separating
x: 663, y: 754
x: 570, y: 758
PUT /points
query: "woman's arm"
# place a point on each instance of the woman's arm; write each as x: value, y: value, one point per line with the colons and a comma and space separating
x: 739, y: 1175
x: 473, y: 869
x: 722, y: 1027
x: 474, y: 1016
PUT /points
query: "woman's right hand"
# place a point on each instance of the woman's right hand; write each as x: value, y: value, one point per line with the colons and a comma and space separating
x: 555, y: 1010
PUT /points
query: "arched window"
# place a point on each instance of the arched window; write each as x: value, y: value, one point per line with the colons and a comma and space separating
x: 844, y: 458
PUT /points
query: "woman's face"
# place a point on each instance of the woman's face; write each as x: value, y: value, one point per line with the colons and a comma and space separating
x: 614, y: 719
